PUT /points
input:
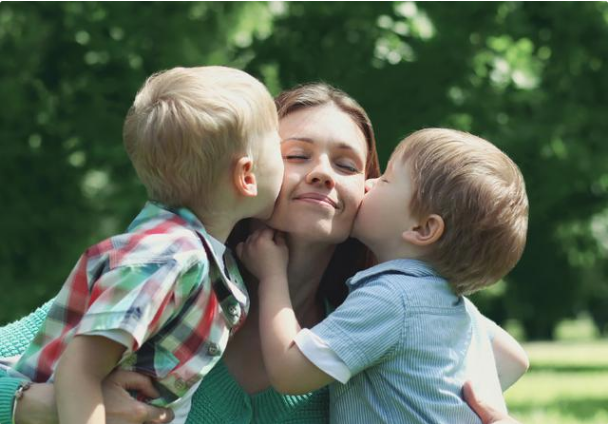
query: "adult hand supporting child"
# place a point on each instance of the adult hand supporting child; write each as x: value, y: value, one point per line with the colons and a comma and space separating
x: 487, y: 413
x: 121, y: 408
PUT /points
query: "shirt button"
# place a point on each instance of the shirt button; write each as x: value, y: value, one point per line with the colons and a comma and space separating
x: 213, y: 349
x: 233, y: 310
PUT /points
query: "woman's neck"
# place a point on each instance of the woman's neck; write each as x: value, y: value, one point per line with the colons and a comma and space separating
x: 243, y: 356
x: 308, y: 262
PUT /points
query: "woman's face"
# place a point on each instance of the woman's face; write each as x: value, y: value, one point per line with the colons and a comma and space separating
x: 324, y: 154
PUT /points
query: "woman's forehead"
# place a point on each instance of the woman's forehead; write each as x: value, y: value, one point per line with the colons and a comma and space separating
x: 325, y: 123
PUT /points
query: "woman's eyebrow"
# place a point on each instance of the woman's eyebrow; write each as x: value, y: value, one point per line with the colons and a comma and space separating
x: 340, y: 144
x: 296, y: 138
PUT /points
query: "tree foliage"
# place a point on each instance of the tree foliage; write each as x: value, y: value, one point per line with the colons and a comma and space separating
x: 529, y: 76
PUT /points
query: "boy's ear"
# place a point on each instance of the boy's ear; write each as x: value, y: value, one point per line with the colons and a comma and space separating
x: 244, y: 179
x: 427, y: 232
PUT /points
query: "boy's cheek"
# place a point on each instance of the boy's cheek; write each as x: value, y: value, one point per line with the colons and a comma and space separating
x: 369, y: 184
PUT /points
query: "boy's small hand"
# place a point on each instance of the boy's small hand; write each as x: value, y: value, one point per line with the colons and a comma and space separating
x: 265, y: 254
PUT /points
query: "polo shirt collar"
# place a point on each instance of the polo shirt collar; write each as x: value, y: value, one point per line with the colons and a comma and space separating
x: 410, y: 267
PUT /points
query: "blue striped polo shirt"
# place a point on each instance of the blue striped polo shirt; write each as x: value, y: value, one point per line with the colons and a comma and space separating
x: 410, y: 344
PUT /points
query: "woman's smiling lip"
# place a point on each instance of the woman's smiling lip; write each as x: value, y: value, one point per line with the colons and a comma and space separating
x: 317, y: 198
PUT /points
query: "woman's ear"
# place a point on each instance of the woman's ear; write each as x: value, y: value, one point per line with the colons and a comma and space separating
x: 427, y: 232
x: 244, y: 179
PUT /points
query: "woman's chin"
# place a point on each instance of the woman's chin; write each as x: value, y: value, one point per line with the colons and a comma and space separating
x: 317, y: 234
x: 308, y: 224
x: 257, y: 224
x: 276, y: 224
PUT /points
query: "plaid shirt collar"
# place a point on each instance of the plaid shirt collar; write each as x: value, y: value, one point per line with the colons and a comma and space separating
x: 231, y: 291
x: 158, y: 211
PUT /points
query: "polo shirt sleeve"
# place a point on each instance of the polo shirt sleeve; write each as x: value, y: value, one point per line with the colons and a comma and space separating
x: 139, y: 299
x: 491, y: 328
x: 366, y: 327
x: 320, y: 354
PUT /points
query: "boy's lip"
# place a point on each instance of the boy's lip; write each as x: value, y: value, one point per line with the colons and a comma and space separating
x: 318, y: 197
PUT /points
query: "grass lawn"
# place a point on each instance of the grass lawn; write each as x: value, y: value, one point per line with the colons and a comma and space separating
x: 566, y: 384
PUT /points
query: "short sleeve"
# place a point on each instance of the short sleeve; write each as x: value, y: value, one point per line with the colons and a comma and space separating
x: 119, y: 336
x: 366, y: 326
x: 319, y: 353
x: 137, y: 299
x: 491, y: 328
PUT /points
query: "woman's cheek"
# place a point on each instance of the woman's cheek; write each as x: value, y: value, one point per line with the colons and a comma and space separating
x: 358, y: 190
x: 353, y: 196
x: 280, y: 220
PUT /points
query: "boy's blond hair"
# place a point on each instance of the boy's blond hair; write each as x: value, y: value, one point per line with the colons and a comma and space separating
x: 479, y: 193
x: 188, y: 124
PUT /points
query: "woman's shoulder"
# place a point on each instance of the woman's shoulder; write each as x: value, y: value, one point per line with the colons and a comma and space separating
x: 16, y: 336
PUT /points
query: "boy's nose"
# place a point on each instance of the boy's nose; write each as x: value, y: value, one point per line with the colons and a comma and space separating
x: 369, y: 184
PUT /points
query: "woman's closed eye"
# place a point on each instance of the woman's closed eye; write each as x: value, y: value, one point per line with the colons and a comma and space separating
x: 348, y: 167
x: 296, y: 157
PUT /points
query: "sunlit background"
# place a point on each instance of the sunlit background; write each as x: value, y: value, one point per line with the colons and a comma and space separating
x: 529, y: 76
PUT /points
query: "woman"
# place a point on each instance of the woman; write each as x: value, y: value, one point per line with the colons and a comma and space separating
x: 329, y: 151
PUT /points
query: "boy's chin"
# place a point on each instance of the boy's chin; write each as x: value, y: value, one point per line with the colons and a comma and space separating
x: 258, y: 224
x: 356, y: 233
x: 359, y: 236
x: 265, y: 215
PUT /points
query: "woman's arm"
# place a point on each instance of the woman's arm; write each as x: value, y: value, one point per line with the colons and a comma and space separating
x: 37, y: 406
x: 510, y: 358
x: 14, y: 339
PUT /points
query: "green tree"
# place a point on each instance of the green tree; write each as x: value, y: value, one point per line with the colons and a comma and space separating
x: 69, y: 73
x: 528, y: 76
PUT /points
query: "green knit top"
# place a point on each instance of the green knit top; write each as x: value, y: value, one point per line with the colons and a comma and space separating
x: 219, y: 398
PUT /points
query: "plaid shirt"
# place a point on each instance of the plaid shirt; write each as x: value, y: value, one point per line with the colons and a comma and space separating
x: 161, y: 283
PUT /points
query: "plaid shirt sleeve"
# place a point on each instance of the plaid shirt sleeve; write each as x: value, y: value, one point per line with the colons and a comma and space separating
x: 140, y: 298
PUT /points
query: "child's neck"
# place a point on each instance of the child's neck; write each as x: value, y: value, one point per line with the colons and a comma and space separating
x: 217, y: 224
x: 401, y: 251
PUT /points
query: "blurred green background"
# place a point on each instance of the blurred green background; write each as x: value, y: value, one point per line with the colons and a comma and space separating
x: 529, y: 76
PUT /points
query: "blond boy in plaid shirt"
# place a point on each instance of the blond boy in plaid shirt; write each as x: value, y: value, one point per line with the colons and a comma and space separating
x: 163, y: 298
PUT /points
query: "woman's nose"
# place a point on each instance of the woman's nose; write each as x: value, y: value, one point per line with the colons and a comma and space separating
x: 369, y: 185
x: 321, y: 174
